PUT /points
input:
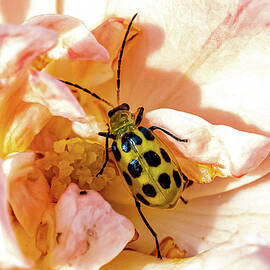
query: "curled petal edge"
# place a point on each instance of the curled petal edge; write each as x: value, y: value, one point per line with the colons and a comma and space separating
x: 220, y: 150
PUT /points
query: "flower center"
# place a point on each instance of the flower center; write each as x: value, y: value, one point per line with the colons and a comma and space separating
x: 74, y: 160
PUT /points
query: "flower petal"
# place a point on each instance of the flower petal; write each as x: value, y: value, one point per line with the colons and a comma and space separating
x: 90, y: 74
x: 40, y: 96
x: 19, y: 45
x: 16, y: 131
x: 10, y: 254
x: 29, y: 193
x: 234, y: 152
x: 230, y: 70
x: 206, y: 221
x: 75, y: 41
x: 90, y: 232
x: 250, y: 253
x: 206, y: 58
x: 54, y: 95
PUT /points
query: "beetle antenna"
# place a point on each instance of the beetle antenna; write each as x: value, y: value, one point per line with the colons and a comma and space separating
x: 89, y: 92
x: 120, y: 58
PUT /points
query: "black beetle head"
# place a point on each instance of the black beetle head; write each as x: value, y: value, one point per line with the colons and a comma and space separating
x: 122, y: 107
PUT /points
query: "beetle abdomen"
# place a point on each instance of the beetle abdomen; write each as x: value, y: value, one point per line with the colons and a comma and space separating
x: 149, y: 168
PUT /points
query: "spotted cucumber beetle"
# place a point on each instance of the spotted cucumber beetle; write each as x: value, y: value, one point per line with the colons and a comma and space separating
x: 145, y: 162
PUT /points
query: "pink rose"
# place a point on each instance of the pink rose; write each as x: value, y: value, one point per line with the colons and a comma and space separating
x: 200, y: 71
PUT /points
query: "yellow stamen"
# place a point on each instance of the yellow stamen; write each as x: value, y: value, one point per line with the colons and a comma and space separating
x: 41, y: 62
x: 75, y: 160
x: 169, y: 249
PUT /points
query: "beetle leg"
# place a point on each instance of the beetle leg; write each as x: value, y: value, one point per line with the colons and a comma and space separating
x: 187, y: 183
x: 138, y: 205
x: 107, y: 135
x: 103, y: 134
x: 183, y: 200
x: 168, y: 133
x: 139, y: 116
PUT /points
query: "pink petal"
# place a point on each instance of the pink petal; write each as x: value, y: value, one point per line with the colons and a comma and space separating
x: 20, y: 44
x: 10, y: 254
x: 54, y: 95
x: 235, y: 152
x: 90, y: 232
x: 29, y: 194
x: 76, y: 40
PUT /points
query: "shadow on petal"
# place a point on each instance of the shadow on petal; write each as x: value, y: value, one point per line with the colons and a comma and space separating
x: 204, y: 222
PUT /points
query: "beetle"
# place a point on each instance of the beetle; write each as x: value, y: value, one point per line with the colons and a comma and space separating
x: 148, y: 166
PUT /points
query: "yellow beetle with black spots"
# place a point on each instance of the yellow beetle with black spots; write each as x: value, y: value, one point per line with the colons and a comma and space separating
x: 148, y: 166
x: 146, y: 163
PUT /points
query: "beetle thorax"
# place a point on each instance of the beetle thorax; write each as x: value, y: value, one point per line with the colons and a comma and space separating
x: 122, y: 122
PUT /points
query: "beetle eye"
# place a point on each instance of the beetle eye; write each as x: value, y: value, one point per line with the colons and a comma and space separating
x: 125, y: 106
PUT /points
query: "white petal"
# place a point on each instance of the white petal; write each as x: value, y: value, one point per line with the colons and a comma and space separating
x: 204, y: 222
x: 240, y: 253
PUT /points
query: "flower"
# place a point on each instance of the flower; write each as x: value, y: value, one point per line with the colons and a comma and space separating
x: 35, y: 228
x: 198, y: 64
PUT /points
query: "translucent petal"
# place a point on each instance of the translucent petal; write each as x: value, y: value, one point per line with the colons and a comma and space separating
x: 75, y: 40
x: 16, y: 132
x: 19, y: 45
x: 54, y: 95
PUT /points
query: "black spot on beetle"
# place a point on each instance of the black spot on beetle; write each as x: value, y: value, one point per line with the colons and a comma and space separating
x: 127, y: 178
x: 177, y: 178
x: 115, y: 151
x: 135, y: 168
x: 146, y: 133
x: 125, y: 144
x: 129, y: 138
x: 165, y: 155
x: 152, y: 158
x: 185, y: 177
x: 135, y: 138
x: 149, y: 190
x: 188, y: 182
x: 164, y: 180
x: 142, y: 199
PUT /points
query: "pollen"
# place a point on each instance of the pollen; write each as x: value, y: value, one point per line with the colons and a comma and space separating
x: 41, y: 62
x: 77, y: 161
